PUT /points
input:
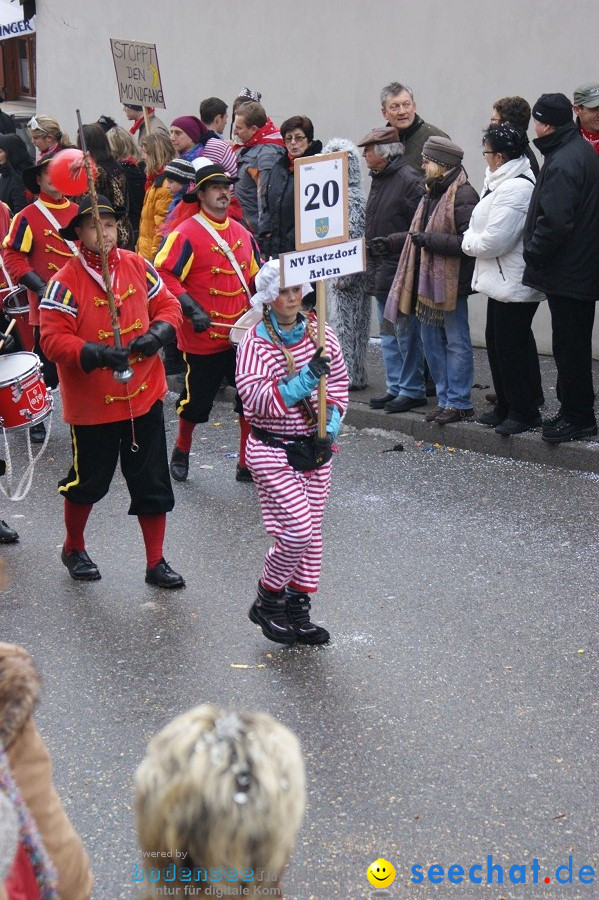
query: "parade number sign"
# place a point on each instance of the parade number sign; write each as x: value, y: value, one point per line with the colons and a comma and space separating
x: 332, y: 261
x: 137, y: 73
x: 320, y: 185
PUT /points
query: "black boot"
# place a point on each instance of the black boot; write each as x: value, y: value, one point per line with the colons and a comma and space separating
x: 306, y: 632
x: 7, y: 534
x: 37, y: 433
x: 179, y: 464
x: 242, y: 473
x: 269, y: 611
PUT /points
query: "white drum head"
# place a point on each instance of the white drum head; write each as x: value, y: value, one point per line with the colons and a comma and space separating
x: 17, y: 365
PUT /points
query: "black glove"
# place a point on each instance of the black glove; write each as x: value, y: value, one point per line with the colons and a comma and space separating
x: 9, y: 343
x: 198, y: 317
x: 100, y: 356
x: 33, y: 281
x: 322, y: 448
x: 379, y: 246
x: 320, y: 365
x: 157, y: 335
x: 418, y: 238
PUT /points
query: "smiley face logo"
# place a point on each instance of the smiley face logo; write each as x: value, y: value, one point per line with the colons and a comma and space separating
x: 380, y: 873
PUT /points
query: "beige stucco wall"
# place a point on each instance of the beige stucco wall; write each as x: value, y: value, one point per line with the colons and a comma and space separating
x: 327, y: 59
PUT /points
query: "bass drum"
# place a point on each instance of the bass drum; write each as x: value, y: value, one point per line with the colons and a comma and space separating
x: 243, y: 325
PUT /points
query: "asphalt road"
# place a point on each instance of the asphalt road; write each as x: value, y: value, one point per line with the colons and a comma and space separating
x: 452, y: 716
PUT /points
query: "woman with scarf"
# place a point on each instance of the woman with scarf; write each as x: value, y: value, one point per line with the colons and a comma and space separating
x: 433, y: 278
x: 277, y: 222
x: 158, y: 151
x: 494, y: 238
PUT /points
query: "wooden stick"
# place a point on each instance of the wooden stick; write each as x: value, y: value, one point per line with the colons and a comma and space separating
x: 226, y: 325
x: 11, y: 325
x: 321, y: 337
x: 91, y: 186
x: 147, y: 121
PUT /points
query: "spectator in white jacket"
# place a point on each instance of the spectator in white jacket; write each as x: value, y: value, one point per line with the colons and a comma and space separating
x: 494, y: 237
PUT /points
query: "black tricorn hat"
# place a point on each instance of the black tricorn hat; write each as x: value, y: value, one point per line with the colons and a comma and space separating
x: 30, y: 174
x: 85, y: 209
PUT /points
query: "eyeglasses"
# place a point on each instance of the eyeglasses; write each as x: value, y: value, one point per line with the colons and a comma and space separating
x: 298, y: 138
x: 489, y: 153
x: 35, y: 126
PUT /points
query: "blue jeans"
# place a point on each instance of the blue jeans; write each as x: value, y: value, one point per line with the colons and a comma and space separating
x: 449, y: 356
x: 403, y: 356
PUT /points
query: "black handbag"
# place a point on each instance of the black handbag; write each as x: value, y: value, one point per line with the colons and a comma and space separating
x: 304, y: 453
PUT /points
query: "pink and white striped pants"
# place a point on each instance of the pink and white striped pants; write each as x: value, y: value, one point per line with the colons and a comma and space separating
x: 292, y: 506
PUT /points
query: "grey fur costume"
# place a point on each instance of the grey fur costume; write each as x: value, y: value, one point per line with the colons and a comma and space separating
x: 349, y: 304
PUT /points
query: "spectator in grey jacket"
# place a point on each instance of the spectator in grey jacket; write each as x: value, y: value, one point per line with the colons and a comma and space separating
x: 259, y: 146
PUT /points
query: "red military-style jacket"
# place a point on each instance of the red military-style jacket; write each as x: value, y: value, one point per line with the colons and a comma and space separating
x: 75, y: 310
x: 191, y: 263
x: 33, y: 244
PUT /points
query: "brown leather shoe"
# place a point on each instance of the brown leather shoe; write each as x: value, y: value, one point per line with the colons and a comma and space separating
x: 453, y: 415
x: 432, y: 415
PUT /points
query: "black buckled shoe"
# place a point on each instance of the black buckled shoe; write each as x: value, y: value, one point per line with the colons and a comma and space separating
x: 7, y: 534
x: 80, y: 566
x: 179, y: 465
x: 269, y: 611
x: 37, y: 433
x: 306, y: 632
x: 242, y: 473
x: 163, y: 576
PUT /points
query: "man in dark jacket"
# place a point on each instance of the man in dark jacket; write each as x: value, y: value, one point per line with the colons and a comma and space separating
x: 561, y: 251
x: 394, y: 195
x: 398, y: 109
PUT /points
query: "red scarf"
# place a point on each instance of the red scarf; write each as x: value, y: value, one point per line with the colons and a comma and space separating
x: 592, y: 137
x: 150, y: 179
x: 268, y: 134
x: 139, y: 122
x: 94, y: 260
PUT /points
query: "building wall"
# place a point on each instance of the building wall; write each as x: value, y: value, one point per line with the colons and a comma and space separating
x: 327, y: 60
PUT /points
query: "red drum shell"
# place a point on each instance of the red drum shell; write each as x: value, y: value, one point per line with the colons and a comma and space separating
x: 24, y: 398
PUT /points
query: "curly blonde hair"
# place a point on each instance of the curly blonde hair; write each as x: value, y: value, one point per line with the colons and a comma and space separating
x: 223, y: 788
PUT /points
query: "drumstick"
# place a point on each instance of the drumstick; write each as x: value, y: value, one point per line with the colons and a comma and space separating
x: 226, y: 325
x: 12, y: 324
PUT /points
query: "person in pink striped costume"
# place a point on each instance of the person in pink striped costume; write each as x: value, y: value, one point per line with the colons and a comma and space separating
x: 279, y: 365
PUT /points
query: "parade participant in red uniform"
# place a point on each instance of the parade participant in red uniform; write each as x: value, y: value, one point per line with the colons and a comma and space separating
x: 109, y: 418
x: 35, y: 250
x: 278, y: 368
x: 196, y: 262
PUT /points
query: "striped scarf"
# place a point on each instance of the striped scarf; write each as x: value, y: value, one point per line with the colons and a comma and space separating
x: 438, y: 275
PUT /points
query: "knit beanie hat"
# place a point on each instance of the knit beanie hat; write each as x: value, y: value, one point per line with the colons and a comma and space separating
x: 443, y: 151
x: 180, y: 170
x: 552, y: 109
x: 133, y: 106
x: 192, y: 126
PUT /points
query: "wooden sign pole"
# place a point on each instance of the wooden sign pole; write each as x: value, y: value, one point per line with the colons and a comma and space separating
x: 147, y: 120
x: 321, y: 337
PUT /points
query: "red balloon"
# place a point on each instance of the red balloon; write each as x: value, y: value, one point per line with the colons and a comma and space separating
x: 67, y: 172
